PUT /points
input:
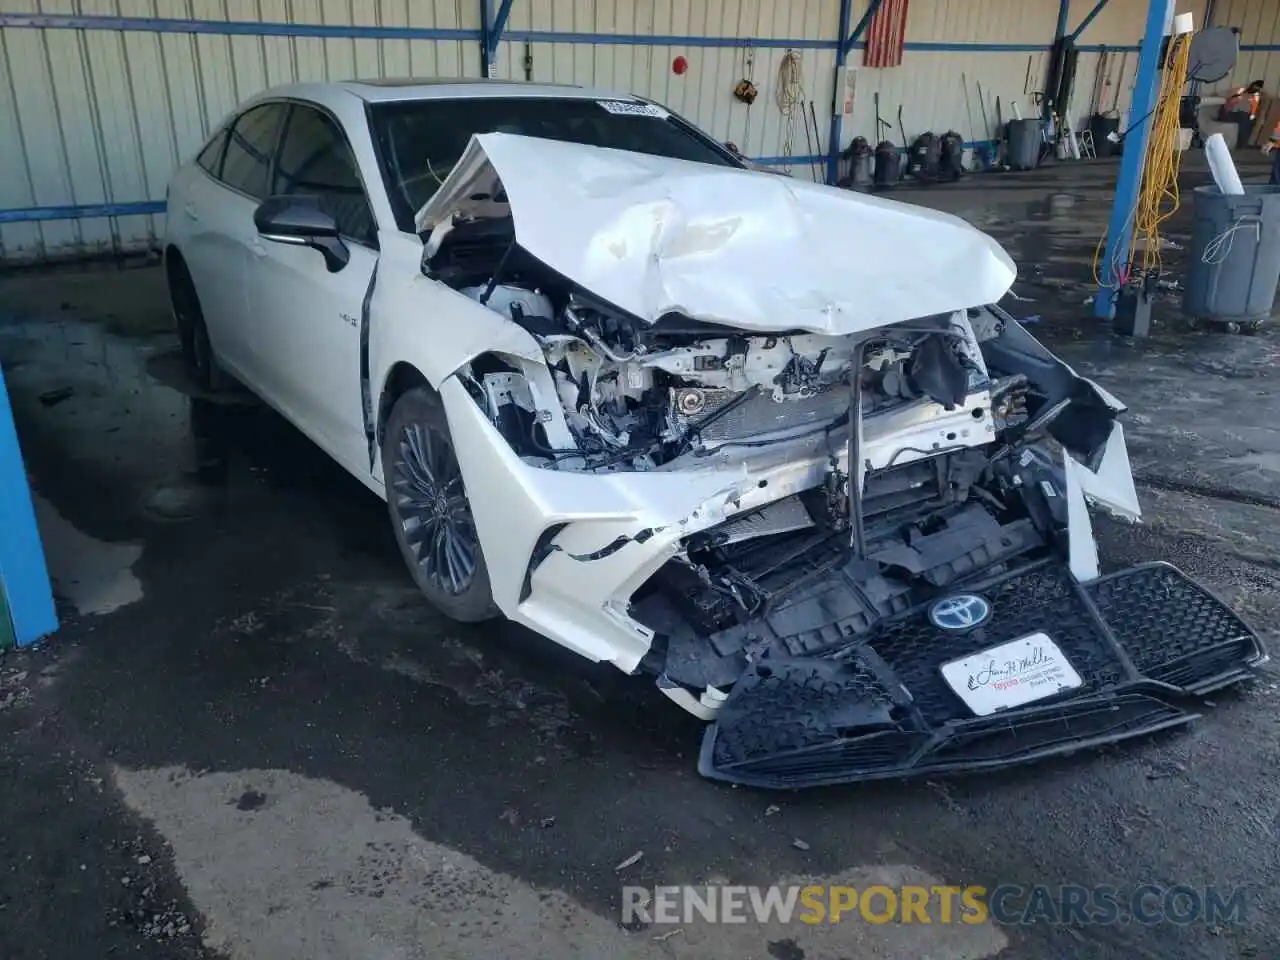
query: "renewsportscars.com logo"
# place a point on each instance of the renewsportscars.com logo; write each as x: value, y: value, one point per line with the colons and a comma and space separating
x: 1008, y: 904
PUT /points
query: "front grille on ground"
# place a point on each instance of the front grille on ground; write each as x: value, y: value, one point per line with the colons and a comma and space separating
x: 882, y: 709
x: 1043, y: 598
x: 1173, y: 630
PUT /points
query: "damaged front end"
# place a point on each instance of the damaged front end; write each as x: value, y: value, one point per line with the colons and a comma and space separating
x: 860, y: 545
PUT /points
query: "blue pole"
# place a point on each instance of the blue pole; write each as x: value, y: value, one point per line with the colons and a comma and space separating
x: 836, y: 133
x: 1145, y: 90
x: 861, y: 28
x: 486, y: 25
x: 1088, y: 18
x: 24, y: 579
x: 843, y: 46
x: 1064, y: 6
x: 495, y: 32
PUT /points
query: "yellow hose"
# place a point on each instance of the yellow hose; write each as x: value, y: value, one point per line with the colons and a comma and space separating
x: 1158, y: 198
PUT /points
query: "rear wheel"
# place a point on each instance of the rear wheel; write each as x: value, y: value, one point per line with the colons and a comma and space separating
x: 430, y: 514
x: 192, y: 332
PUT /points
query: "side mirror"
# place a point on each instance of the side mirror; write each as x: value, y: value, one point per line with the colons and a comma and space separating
x: 301, y: 222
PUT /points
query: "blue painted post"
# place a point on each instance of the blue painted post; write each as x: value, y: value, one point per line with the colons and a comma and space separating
x: 24, y: 579
x: 843, y: 46
x: 1145, y: 89
x: 1088, y: 18
x: 1064, y: 7
x: 486, y: 25
x: 836, y: 134
x: 494, y: 35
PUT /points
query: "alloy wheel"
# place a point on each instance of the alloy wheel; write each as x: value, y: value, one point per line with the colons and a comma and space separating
x: 431, y: 507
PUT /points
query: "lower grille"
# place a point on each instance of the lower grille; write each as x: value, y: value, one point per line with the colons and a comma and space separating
x: 794, y: 705
x: 1043, y: 598
x: 1142, y: 640
x: 1172, y: 629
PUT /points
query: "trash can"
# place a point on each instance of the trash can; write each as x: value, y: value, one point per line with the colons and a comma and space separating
x: 1024, y: 144
x: 1101, y: 127
x: 1235, y: 255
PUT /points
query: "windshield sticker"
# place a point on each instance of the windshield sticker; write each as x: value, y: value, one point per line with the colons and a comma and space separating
x: 629, y: 108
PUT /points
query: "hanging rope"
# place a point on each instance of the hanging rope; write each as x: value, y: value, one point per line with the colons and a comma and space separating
x: 789, y: 96
x: 749, y: 75
x: 1158, y: 197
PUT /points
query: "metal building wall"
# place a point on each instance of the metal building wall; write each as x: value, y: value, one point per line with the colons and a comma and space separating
x: 1259, y: 23
x: 105, y: 97
x: 630, y: 45
x: 98, y: 116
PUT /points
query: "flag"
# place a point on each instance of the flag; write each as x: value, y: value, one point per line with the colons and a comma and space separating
x: 886, y: 35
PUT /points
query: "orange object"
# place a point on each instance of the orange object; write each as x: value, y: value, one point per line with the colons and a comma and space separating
x: 1240, y: 97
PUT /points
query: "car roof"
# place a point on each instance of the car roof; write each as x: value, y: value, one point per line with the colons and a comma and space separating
x: 382, y: 90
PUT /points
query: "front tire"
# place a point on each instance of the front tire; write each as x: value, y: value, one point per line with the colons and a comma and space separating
x: 430, y: 514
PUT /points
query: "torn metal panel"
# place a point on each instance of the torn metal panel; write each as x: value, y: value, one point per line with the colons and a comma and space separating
x: 654, y: 236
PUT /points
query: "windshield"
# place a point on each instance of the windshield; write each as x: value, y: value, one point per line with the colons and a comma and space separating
x: 421, y: 140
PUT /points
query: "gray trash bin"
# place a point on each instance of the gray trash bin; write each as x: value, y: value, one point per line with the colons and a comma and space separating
x: 1235, y: 255
x: 1024, y: 144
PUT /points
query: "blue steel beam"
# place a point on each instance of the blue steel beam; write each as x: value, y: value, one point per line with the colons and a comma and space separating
x: 44, y: 21
x: 1088, y: 18
x: 499, y: 24
x: 860, y: 29
x: 1146, y: 88
x: 24, y: 579
x: 843, y: 46
x: 486, y: 18
x: 835, y: 131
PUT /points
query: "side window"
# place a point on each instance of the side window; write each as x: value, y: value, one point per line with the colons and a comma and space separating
x: 315, y: 161
x: 248, y: 157
x: 210, y: 158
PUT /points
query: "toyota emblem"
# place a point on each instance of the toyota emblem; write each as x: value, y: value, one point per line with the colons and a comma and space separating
x: 964, y: 611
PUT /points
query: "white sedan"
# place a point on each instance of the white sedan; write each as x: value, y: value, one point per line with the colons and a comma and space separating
x: 768, y: 441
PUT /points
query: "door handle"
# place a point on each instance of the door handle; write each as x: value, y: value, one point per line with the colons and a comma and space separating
x: 259, y: 248
x: 190, y: 211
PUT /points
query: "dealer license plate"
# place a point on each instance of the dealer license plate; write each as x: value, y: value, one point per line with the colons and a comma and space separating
x: 1011, y: 674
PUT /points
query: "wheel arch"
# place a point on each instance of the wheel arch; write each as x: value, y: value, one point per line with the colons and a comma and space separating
x: 402, y: 376
x: 174, y: 261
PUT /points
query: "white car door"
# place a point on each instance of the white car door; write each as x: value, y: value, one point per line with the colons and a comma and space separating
x: 203, y: 218
x: 305, y: 317
x: 244, y: 176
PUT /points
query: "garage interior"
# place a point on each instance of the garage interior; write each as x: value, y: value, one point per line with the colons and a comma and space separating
x: 245, y: 735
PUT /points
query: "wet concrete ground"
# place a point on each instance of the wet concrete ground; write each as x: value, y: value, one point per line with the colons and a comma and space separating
x: 252, y: 739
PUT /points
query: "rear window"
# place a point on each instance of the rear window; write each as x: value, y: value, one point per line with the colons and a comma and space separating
x: 210, y: 158
x: 420, y: 140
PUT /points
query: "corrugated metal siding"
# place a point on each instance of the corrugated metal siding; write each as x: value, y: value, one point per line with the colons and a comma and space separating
x: 1259, y: 23
x: 703, y: 94
x: 1120, y: 69
x: 928, y: 86
x: 90, y: 116
x: 765, y: 19
x: 982, y: 21
x: 94, y: 116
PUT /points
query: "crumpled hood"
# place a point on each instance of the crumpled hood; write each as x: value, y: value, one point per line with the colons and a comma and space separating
x: 749, y: 250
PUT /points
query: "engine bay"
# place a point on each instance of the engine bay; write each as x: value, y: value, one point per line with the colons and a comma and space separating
x: 953, y: 426
x: 620, y: 394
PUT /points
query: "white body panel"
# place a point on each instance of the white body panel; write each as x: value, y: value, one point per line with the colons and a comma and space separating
x: 750, y: 250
